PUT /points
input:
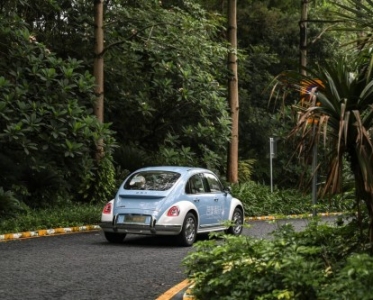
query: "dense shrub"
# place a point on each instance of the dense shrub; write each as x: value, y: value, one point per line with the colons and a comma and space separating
x: 258, y: 200
x: 321, y: 262
x: 71, y: 214
x: 99, y: 184
x: 9, y: 205
x: 354, y: 281
x: 48, y: 132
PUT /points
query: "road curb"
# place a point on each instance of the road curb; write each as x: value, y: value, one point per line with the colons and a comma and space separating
x: 302, y: 216
x: 46, y: 232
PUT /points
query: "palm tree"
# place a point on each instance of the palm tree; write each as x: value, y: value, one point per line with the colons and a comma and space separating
x: 339, y: 112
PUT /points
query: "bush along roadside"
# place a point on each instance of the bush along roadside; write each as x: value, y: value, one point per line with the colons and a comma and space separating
x: 321, y: 262
x: 258, y: 200
x: 69, y: 215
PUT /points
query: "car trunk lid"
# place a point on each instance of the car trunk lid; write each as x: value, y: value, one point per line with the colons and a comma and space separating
x: 141, y: 201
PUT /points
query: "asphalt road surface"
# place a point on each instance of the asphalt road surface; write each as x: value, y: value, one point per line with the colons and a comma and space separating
x: 84, y: 266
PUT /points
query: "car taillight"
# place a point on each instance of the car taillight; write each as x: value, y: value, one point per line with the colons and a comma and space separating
x: 173, y: 211
x: 107, y: 209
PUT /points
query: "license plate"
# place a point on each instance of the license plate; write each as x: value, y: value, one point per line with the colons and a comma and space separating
x: 138, y: 219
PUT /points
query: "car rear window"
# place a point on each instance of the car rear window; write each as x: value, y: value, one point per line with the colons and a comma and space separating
x: 152, y: 180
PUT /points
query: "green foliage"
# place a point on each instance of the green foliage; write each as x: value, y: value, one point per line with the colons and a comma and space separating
x: 67, y: 215
x: 171, y: 156
x: 131, y: 157
x: 9, y: 205
x: 47, y: 125
x: 42, y: 187
x: 313, y: 264
x: 162, y: 62
x: 259, y: 201
x: 245, y: 170
x: 354, y: 281
x: 166, y: 81
x: 268, y: 36
x: 99, y: 184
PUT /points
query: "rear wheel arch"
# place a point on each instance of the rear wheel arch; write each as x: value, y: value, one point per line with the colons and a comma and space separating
x: 189, y: 229
x: 238, y: 218
x: 192, y: 211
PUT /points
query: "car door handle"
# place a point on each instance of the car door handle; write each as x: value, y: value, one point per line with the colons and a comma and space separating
x: 216, y: 199
x: 196, y: 200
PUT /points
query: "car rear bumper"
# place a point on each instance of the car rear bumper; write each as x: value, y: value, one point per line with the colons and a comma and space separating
x: 141, y: 229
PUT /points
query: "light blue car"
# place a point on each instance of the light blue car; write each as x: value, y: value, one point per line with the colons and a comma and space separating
x: 179, y: 201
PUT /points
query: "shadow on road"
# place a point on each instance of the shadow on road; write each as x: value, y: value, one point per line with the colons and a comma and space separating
x: 149, y: 241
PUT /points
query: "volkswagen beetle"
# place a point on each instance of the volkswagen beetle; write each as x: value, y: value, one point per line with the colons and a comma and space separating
x: 178, y: 201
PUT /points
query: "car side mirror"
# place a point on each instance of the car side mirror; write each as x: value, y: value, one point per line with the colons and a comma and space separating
x: 228, y: 190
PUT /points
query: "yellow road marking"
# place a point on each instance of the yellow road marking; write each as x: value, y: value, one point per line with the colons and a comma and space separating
x: 174, y: 290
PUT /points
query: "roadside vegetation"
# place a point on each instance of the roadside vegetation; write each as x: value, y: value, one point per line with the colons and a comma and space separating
x: 69, y: 215
x: 257, y: 199
x: 321, y: 262
x: 324, y: 261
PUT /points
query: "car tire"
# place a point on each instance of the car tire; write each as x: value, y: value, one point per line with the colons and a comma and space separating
x: 237, y: 219
x: 188, y: 233
x: 114, y: 237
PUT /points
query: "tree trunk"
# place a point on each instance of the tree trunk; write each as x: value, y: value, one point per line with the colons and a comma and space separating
x: 232, y: 170
x: 303, y: 36
x: 98, y: 70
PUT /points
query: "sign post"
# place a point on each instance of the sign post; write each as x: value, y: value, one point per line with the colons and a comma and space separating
x: 271, y: 155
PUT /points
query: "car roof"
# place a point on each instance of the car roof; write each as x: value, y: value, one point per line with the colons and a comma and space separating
x: 178, y: 169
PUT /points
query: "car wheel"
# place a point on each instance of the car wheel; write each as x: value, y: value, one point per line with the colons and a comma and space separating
x: 188, y: 233
x: 237, y: 219
x: 114, y: 237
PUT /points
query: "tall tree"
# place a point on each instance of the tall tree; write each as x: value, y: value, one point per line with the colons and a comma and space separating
x: 99, y: 59
x: 232, y: 171
x: 98, y: 68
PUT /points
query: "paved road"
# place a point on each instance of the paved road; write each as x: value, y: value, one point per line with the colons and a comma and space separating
x: 84, y: 266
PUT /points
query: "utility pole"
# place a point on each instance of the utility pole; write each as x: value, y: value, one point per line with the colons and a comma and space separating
x: 232, y: 168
